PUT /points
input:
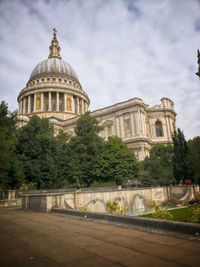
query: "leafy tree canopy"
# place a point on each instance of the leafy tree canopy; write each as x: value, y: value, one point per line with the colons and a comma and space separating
x: 118, y: 162
x: 158, y: 167
x: 193, y: 158
x: 85, y: 151
x: 180, y: 151
x: 9, y: 166
x: 36, y: 147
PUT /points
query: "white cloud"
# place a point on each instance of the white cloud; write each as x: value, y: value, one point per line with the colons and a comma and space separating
x: 119, y: 48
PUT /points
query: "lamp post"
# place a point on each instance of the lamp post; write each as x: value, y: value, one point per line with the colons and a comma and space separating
x: 198, y: 61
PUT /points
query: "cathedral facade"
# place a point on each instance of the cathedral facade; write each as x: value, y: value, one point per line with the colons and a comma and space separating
x: 54, y: 91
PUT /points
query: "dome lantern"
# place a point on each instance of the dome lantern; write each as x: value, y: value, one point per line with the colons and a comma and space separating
x: 54, y: 49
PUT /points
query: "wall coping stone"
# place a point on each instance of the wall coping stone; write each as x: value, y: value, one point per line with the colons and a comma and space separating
x: 43, y: 194
x: 96, y: 190
x: 183, y: 228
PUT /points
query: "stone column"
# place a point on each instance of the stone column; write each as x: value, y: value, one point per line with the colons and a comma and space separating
x: 139, y: 123
x: 42, y: 102
x: 73, y: 104
x: 132, y: 124
x: 34, y: 103
x: 167, y: 127
x: 135, y: 122
x: 11, y: 194
x: 77, y: 103
x: 57, y: 101
x: 83, y: 110
x: 29, y: 104
x: 80, y: 105
x: 170, y: 124
x: 20, y: 107
x: 117, y: 126
x: 144, y: 125
x: 65, y: 103
x: 50, y: 106
x: 142, y: 122
x: 122, y: 127
x: 24, y: 105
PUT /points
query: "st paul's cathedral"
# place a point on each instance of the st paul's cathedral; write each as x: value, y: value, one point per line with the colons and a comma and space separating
x: 55, y: 92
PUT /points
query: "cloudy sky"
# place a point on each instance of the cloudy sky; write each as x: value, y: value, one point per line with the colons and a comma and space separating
x: 120, y: 49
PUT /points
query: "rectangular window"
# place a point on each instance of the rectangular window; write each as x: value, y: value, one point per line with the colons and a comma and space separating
x: 127, y: 126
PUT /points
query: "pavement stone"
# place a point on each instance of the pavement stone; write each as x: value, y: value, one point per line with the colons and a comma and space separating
x: 30, y: 239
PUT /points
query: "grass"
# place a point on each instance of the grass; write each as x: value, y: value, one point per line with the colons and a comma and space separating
x: 183, y: 214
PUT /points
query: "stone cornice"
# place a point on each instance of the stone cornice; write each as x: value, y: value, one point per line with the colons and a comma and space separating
x: 119, y: 106
x: 137, y: 139
x: 152, y: 110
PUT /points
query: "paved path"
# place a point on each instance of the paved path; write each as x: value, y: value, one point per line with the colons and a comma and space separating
x: 39, y: 239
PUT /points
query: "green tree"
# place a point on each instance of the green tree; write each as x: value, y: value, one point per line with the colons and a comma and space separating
x: 85, y: 152
x: 11, y: 173
x: 118, y: 162
x: 180, y: 151
x: 158, y: 167
x: 36, y: 147
x: 61, y: 157
x: 193, y: 158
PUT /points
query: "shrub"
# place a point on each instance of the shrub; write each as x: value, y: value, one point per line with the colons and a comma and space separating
x: 115, y: 208
x: 160, y: 212
x: 83, y: 208
x: 198, y: 197
x: 195, y: 215
x: 196, y: 200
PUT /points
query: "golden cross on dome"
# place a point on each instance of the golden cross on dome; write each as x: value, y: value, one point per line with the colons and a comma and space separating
x: 55, y: 31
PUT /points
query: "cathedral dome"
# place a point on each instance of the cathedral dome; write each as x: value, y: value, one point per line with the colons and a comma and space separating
x: 53, y: 89
x: 53, y: 67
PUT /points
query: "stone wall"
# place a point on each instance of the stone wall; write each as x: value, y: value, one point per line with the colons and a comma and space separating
x: 138, y: 200
x: 10, y: 200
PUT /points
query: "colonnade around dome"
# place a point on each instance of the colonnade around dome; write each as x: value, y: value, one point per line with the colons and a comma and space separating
x: 52, y: 101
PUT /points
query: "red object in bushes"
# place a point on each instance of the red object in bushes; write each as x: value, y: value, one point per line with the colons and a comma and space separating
x: 188, y: 181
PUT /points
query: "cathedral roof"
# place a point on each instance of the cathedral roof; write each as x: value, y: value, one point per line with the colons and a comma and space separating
x: 54, y: 65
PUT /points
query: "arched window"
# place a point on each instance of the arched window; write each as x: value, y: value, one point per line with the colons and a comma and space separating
x: 159, y: 129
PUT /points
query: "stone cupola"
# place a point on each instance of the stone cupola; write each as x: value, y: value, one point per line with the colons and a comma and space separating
x: 53, y: 89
